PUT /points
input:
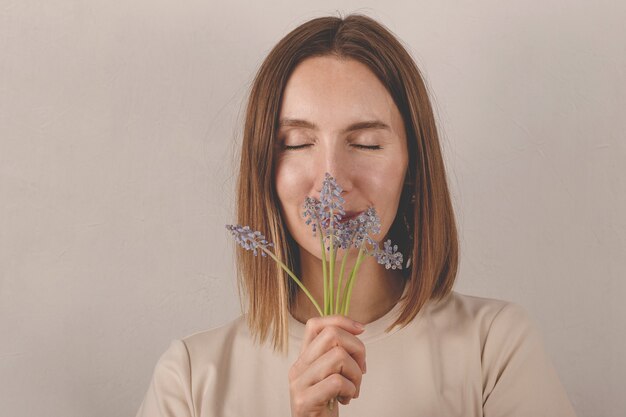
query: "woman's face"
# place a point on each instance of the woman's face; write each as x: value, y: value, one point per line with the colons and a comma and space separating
x: 324, y: 101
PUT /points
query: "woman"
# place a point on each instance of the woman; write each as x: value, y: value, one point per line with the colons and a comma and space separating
x: 343, y: 96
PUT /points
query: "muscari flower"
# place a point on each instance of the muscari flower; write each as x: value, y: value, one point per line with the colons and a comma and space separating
x: 390, y: 257
x: 249, y: 239
x: 312, y: 209
x: 353, y: 233
x: 331, y: 203
x: 324, y: 215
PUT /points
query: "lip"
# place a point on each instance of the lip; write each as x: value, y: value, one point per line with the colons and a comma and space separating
x: 350, y: 215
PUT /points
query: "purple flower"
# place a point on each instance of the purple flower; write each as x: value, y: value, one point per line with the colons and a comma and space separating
x: 368, y: 223
x: 324, y: 216
x: 326, y: 213
x: 249, y: 239
x: 330, y: 201
x: 390, y: 257
x: 346, y: 233
x: 353, y: 233
x: 312, y: 209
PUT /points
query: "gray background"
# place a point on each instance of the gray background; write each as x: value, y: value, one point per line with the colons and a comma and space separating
x: 119, y: 124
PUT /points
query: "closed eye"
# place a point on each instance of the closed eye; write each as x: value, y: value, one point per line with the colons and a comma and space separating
x: 287, y: 147
x: 372, y: 147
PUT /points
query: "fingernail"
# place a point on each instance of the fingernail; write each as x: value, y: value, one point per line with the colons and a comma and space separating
x: 358, y: 325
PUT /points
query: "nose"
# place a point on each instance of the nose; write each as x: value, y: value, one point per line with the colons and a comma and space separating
x: 333, y: 162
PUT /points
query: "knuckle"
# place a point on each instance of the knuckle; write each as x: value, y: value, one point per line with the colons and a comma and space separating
x: 335, y: 356
x: 336, y: 381
x: 339, y: 354
x: 357, y: 386
x: 361, y: 345
x: 313, y: 322
x: 331, y: 335
x: 298, y: 403
x: 361, y: 349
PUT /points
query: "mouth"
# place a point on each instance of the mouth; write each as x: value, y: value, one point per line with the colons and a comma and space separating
x: 350, y: 215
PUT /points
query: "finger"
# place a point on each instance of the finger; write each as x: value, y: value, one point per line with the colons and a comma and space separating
x: 330, y: 337
x: 335, y: 361
x: 316, y: 324
x: 333, y: 386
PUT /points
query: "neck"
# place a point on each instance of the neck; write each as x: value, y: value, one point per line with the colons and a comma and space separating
x: 375, y: 292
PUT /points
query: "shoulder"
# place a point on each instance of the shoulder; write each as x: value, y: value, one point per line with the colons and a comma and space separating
x: 469, y: 310
x: 496, y: 318
x: 211, y: 342
x: 189, y: 362
x: 203, y: 344
x: 518, y: 377
x: 487, y: 323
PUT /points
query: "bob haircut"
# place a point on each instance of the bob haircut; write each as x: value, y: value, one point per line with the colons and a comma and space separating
x: 424, y: 228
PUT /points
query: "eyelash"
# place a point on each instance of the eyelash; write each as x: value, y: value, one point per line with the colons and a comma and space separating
x: 371, y: 148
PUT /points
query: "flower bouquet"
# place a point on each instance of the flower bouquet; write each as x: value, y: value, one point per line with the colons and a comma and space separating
x: 325, y: 216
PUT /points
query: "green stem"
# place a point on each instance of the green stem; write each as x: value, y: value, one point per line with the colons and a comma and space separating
x: 326, y: 303
x: 331, y: 274
x: 332, y: 267
x: 340, y: 292
x: 359, y: 260
x: 295, y: 278
x: 344, y: 295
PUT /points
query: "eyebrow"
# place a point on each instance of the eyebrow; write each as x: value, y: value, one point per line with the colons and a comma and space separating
x: 368, y: 124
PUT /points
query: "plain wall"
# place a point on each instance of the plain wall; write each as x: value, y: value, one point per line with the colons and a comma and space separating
x: 119, y: 125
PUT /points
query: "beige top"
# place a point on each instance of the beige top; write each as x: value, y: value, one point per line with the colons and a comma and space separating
x: 463, y: 356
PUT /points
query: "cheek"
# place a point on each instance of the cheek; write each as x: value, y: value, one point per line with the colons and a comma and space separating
x: 386, y: 179
x: 291, y: 187
x: 384, y: 185
x: 291, y: 182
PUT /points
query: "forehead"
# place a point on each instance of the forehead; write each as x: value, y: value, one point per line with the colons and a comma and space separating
x: 334, y: 92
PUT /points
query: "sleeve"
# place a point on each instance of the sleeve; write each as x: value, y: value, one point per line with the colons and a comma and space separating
x: 169, y: 393
x: 519, y: 378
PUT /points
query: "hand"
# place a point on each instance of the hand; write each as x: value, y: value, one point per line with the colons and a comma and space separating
x: 331, y: 365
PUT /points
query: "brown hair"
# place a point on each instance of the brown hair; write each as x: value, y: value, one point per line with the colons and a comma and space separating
x: 424, y: 229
